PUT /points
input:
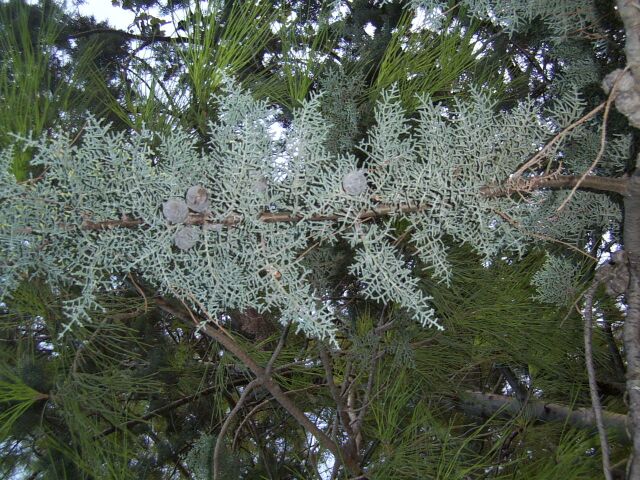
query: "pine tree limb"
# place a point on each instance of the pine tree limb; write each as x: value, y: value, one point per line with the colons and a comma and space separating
x: 126, y: 35
x: 488, y: 404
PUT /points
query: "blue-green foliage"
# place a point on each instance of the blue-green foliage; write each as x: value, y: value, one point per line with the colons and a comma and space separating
x: 561, y: 16
x: 436, y: 163
x: 556, y: 281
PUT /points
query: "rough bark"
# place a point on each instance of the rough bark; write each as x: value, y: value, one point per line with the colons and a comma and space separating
x: 629, y: 11
x: 631, y: 240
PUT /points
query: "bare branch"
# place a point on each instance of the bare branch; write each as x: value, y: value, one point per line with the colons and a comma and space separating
x: 591, y: 371
x: 127, y: 36
x: 225, y: 426
x: 537, y: 158
x: 557, y: 182
x: 273, y: 388
x: 276, y: 352
x: 487, y: 404
x: 328, y: 368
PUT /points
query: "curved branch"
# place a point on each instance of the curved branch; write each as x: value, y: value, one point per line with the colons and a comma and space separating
x: 227, y: 423
x: 272, y: 387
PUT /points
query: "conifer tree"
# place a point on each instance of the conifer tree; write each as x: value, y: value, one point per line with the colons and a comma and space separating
x: 391, y: 196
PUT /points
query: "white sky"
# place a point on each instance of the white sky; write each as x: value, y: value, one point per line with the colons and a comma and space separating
x: 104, y: 10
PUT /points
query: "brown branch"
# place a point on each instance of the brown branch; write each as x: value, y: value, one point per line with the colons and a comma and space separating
x: 243, y: 397
x: 169, y: 406
x: 535, y: 160
x: 541, y: 236
x: 373, y: 366
x: 248, y: 416
x: 591, y: 372
x: 273, y: 388
x: 109, y: 224
x: 258, y: 406
x: 488, y: 404
x: 557, y: 182
x: 227, y: 423
x: 342, y: 412
x: 603, y: 142
x: 283, y: 337
x: 266, y: 217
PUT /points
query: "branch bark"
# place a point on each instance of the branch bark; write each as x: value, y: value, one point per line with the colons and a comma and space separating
x: 273, y: 388
x: 557, y: 182
x: 487, y: 404
x: 631, y: 238
x: 601, y: 184
x: 266, y: 217
x: 593, y: 387
x: 227, y: 423
x: 342, y: 413
x: 630, y: 14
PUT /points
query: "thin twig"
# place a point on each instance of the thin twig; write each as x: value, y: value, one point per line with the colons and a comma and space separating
x: 342, y: 413
x: 248, y: 416
x: 283, y: 337
x: 258, y: 381
x: 603, y: 140
x: 372, y: 373
x: 593, y: 387
x: 541, y: 236
x: 559, y: 136
x: 140, y: 291
x: 225, y: 426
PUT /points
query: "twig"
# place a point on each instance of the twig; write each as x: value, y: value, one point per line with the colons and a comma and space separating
x: 556, y: 182
x: 250, y: 386
x: 140, y: 291
x: 603, y: 140
x: 559, y: 136
x: 248, y: 416
x: 278, y: 349
x: 225, y: 426
x: 593, y: 387
x: 272, y: 387
x: 541, y: 236
x: 342, y: 413
x: 357, y: 427
x: 259, y: 406
x: 235, y: 219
